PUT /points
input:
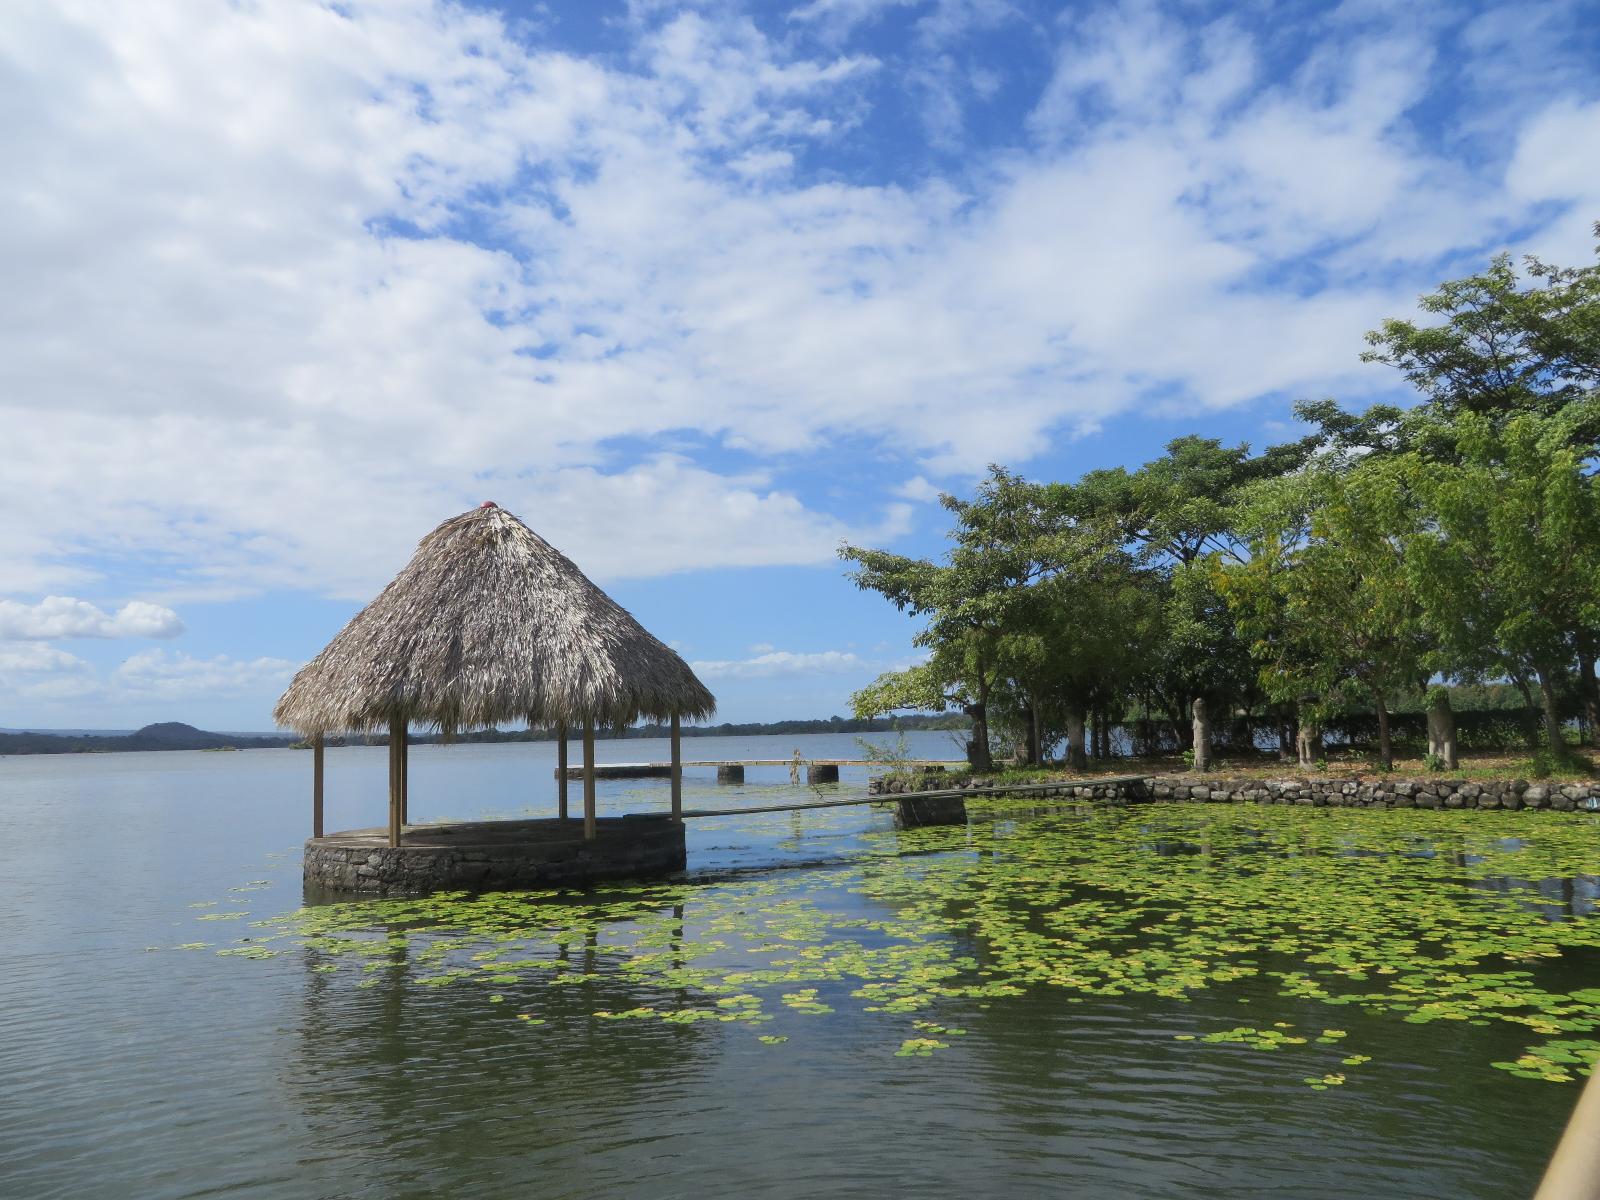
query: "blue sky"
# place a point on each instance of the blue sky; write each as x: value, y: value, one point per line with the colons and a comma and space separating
x: 697, y: 291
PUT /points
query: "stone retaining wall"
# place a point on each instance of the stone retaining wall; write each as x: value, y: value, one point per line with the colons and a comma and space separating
x: 1315, y: 792
x: 1080, y: 790
x: 493, y: 856
x: 1379, y: 793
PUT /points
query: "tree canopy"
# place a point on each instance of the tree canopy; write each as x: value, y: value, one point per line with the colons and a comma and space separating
x: 1454, y: 538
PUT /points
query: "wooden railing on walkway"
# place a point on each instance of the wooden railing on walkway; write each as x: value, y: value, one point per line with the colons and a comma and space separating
x: 1018, y: 789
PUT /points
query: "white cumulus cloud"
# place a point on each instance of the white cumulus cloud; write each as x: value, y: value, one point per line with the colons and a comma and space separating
x: 288, y: 283
x: 66, y: 617
x: 38, y: 673
x: 178, y: 676
x: 781, y: 662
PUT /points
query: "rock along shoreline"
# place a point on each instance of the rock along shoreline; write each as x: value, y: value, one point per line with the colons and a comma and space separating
x: 1430, y: 793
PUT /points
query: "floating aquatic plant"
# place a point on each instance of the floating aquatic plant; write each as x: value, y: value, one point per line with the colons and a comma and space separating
x: 1412, y: 916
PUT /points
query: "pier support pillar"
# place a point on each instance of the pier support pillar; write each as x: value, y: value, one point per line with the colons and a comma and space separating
x: 730, y: 773
x: 405, y: 776
x: 677, y: 772
x: 316, y: 786
x: 397, y: 779
x: 561, y: 770
x: 914, y: 812
x: 822, y: 773
x: 588, y: 780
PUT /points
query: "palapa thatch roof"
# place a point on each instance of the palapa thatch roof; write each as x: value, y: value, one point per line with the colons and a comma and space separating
x: 490, y: 623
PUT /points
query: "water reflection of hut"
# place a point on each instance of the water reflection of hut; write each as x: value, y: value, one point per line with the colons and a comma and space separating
x: 489, y: 624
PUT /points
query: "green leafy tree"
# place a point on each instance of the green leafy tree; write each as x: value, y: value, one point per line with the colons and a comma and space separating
x: 1021, y: 617
x: 1325, y: 595
x: 1175, y: 511
x: 963, y: 633
x: 1494, y: 344
x: 1002, y: 545
x: 1508, y: 565
x: 1490, y: 349
x: 1097, y: 632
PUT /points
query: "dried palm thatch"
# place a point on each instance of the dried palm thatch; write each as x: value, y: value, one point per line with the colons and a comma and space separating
x: 489, y: 623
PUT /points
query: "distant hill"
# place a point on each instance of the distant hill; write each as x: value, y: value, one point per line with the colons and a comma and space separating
x: 165, y: 735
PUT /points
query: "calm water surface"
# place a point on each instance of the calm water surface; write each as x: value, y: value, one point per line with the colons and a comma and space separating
x: 130, y: 1067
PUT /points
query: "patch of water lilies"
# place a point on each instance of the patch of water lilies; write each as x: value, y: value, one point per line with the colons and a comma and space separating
x: 1409, y: 915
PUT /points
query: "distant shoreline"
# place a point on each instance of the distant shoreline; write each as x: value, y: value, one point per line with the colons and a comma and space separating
x: 173, y: 735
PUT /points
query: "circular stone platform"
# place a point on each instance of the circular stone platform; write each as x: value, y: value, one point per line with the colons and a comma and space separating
x: 492, y: 855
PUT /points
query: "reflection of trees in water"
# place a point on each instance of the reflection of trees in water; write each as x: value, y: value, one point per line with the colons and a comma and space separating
x: 1555, y: 898
x: 438, y: 1089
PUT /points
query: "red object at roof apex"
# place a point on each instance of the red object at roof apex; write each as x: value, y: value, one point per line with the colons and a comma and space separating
x: 488, y: 504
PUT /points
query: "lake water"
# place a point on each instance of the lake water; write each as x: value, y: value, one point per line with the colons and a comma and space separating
x: 1172, y: 1001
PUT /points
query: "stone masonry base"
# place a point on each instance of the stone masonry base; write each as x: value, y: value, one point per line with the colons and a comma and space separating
x: 492, y: 855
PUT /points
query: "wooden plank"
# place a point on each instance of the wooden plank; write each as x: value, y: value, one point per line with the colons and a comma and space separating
x: 677, y: 772
x: 1574, y: 1169
x: 815, y: 762
x: 316, y: 786
x: 663, y: 770
x: 892, y: 797
x: 561, y: 770
x: 588, y: 779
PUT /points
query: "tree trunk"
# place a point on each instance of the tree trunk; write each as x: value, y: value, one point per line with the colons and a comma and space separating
x: 1308, y: 741
x: 1385, y: 746
x: 1076, y: 758
x: 978, y: 746
x: 1441, y: 728
x: 1530, y: 723
x: 1547, y: 707
x: 1030, y: 737
x: 1286, y: 734
x: 1202, y: 735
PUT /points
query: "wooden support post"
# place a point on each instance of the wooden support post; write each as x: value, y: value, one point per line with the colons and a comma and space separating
x: 588, y: 779
x: 316, y: 786
x: 677, y: 772
x: 396, y: 740
x: 405, y: 776
x: 561, y: 770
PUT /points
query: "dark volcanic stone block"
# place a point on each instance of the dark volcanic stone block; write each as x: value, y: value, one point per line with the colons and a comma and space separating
x: 917, y: 811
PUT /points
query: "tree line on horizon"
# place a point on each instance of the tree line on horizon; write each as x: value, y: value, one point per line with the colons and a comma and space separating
x: 1367, y: 569
x: 174, y: 735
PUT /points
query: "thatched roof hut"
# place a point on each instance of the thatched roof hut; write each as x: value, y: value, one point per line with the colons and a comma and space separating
x: 489, y: 623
